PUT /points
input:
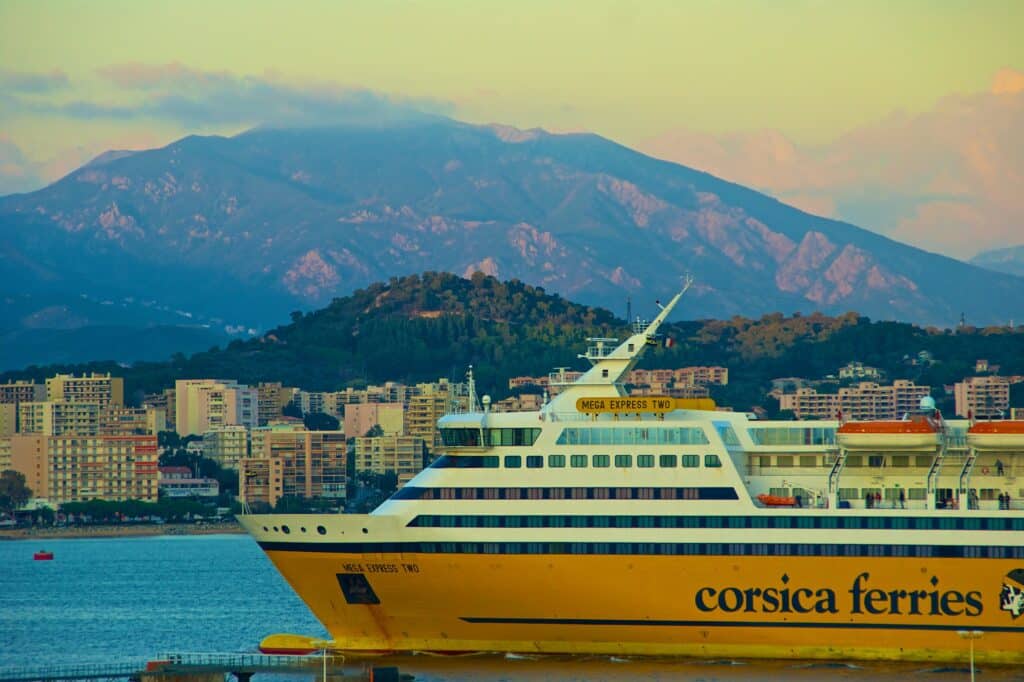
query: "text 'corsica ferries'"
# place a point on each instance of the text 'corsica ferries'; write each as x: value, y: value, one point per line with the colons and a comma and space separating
x: 605, y: 523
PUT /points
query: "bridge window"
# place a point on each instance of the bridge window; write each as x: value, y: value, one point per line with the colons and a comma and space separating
x: 512, y: 437
x: 462, y: 437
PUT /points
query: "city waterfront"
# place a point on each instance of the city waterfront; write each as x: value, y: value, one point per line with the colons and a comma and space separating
x: 108, y: 600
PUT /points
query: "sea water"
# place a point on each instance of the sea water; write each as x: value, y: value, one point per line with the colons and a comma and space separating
x: 113, y: 600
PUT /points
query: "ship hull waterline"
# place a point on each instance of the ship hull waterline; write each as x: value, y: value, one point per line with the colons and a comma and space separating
x: 878, y: 608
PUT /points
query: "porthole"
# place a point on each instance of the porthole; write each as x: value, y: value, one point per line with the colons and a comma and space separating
x: 286, y: 530
x: 303, y: 529
x: 365, y: 531
x: 321, y: 530
x: 265, y: 528
x: 276, y: 529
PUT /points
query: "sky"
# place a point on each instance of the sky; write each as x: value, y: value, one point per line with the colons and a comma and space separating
x: 77, y: 78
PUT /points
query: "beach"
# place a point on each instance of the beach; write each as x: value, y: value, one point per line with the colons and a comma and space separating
x: 122, y: 530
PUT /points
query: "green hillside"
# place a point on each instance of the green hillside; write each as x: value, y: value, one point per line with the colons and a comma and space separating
x: 422, y: 327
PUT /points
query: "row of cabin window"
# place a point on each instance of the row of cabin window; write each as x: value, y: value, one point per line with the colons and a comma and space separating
x: 604, y: 461
x: 691, y: 548
x: 575, y: 461
x: 780, y: 522
x: 643, y: 435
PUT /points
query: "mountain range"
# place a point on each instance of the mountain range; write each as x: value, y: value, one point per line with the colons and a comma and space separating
x: 240, y: 231
x: 1009, y: 260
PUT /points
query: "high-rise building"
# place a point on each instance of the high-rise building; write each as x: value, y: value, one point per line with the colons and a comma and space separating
x: 984, y: 397
x: 226, y: 445
x: 80, y: 468
x: 5, y: 453
x: 400, y: 454
x: 14, y: 392
x: 432, y: 403
x: 294, y: 462
x: 132, y: 421
x: 273, y: 397
x: 8, y: 419
x: 361, y: 417
x: 100, y: 389
x: 205, y: 404
x: 864, y: 401
x: 59, y: 418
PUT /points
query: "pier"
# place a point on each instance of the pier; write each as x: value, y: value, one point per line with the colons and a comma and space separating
x: 207, y: 667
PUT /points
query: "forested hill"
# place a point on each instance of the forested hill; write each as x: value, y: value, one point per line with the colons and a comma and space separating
x: 419, y: 328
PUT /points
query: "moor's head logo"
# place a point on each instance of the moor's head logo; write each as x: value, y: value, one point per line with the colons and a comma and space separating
x: 1012, y: 597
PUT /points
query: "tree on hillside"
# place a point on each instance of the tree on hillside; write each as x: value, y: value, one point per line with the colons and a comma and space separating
x: 318, y: 421
x: 13, y: 491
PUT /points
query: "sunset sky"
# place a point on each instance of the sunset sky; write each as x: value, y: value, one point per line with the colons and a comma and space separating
x: 80, y: 77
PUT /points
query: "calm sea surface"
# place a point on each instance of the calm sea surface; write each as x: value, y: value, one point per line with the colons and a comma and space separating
x: 111, y: 599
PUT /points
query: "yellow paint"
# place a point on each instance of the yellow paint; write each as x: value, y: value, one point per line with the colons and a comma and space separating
x: 659, y: 404
x: 424, y: 599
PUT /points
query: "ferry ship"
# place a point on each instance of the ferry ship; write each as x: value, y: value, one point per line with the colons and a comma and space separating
x: 611, y: 524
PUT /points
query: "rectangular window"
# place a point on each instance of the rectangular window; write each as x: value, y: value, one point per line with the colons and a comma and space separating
x: 534, y: 461
x: 808, y: 461
x: 513, y: 461
x: 623, y: 461
x: 578, y: 461
x: 712, y: 461
x: 556, y: 461
x: 691, y: 461
x: 667, y: 461
x: 601, y: 461
x: 784, y: 460
x: 645, y: 461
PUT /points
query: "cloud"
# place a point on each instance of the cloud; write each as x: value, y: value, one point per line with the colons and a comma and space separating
x: 1007, y: 82
x: 193, y: 98
x: 17, y: 173
x: 33, y: 83
x: 945, y: 180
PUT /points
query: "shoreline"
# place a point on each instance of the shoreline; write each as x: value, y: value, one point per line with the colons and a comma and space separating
x: 121, y: 531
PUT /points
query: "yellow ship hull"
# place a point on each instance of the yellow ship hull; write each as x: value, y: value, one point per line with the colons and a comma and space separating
x: 710, y: 606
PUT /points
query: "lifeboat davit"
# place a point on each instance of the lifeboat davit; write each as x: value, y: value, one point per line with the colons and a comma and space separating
x: 997, y: 435
x: 916, y: 433
x: 43, y: 555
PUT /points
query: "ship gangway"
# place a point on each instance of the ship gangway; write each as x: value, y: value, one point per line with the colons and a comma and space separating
x: 240, y: 666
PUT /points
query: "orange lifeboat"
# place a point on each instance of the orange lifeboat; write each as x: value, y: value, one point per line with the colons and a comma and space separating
x: 919, y: 432
x: 996, y: 435
x: 43, y: 555
x: 776, y: 500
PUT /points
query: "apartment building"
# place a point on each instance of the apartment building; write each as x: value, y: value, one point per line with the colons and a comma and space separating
x: 400, y: 454
x: 293, y: 462
x: 100, y: 389
x: 131, y: 421
x: 361, y: 417
x: 864, y: 401
x: 526, y: 402
x: 858, y: 370
x: 273, y: 397
x: 226, y: 445
x: 81, y: 468
x: 165, y: 400
x: 205, y: 404
x: 5, y: 453
x: 59, y: 418
x: 14, y: 392
x: 432, y: 402
x: 180, y: 482
x: 983, y: 397
x: 8, y: 419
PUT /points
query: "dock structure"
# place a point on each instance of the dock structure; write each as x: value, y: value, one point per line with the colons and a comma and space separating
x: 203, y: 666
